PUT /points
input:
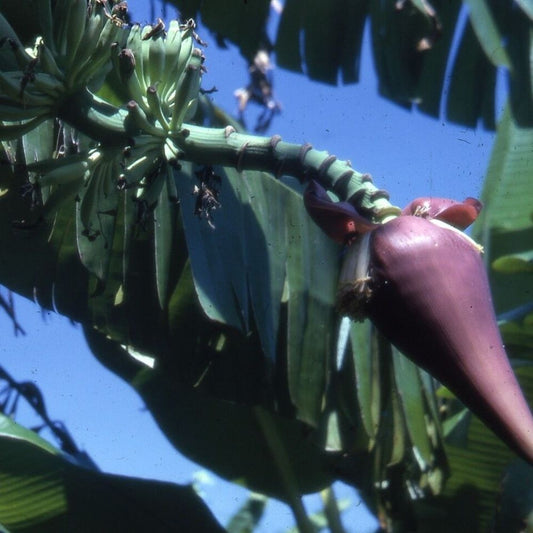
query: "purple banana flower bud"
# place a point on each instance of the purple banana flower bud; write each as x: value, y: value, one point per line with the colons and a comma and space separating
x: 423, y: 284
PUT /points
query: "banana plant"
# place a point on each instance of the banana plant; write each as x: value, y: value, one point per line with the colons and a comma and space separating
x: 124, y: 210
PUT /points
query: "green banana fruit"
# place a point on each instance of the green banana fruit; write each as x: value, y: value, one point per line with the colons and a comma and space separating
x: 77, y: 20
x: 93, y: 28
x: 47, y: 60
x: 47, y: 84
x: 9, y: 132
x: 67, y: 172
x: 137, y: 120
x: 156, y: 109
x: 173, y: 44
x: 43, y: 10
x: 101, y: 53
x: 46, y: 165
x: 7, y: 32
x: 186, y: 98
x: 183, y: 60
x: 91, y: 192
x: 61, y: 27
x: 135, y: 174
x: 134, y: 43
x: 13, y: 112
x: 171, y: 151
x: 156, y: 60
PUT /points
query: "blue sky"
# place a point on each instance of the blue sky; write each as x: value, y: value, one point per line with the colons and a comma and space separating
x: 407, y: 153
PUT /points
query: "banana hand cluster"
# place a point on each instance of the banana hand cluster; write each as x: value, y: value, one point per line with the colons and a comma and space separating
x: 161, y: 71
x: 100, y: 174
x: 83, y: 36
x: 77, y: 50
x: 27, y: 95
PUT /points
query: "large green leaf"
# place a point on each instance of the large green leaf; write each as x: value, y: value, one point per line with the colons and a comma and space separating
x: 231, y: 439
x: 478, y: 470
x: 487, y: 32
x: 505, y: 225
x: 472, y: 88
x: 340, y: 27
x: 248, y: 516
x: 235, y: 21
x: 264, y: 250
x: 43, y: 489
x: 412, y: 43
x: 508, y: 186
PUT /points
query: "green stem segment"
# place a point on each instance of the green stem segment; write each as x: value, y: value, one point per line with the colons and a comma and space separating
x: 331, y: 510
x: 225, y: 146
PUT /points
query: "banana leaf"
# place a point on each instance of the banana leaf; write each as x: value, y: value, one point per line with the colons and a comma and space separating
x: 72, y: 497
x: 413, y: 43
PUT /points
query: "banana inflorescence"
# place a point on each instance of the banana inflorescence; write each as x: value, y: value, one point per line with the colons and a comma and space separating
x: 77, y: 49
x: 84, y: 45
x: 159, y: 69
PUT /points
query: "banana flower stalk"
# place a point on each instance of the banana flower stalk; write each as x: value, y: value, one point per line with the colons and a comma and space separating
x: 422, y: 282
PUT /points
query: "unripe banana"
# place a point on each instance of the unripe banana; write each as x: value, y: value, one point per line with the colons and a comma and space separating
x: 67, y: 172
x: 139, y: 121
x: 154, y: 104
x: 12, y: 112
x: 144, y: 54
x: 114, y: 122
x: 125, y: 64
x: 171, y: 183
x: 153, y: 183
x: 93, y: 29
x: 134, y: 43
x: 127, y: 71
x: 43, y: 12
x: 9, y: 132
x: 77, y: 20
x: 6, y: 30
x: 156, y: 62
x: 179, y: 72
x: 13, y: 87
x: 137, y: 171
x: 60, y: 27
x: 101, y: 53
x: 171, y: 151
x: 47, y: 165
x: 163, y: 233
x: 144, y: 143
x: 173, y: 43
x: 47, y: 61
x: 186, y: 98
x: 90, y: 192
x: 47, y: 84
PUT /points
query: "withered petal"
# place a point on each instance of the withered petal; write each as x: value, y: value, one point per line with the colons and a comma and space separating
x: 339, y: 220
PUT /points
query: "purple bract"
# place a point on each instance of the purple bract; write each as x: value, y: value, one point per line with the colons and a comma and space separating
x: 423, y: 284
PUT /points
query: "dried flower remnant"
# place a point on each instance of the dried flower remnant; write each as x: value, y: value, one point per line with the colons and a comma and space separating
x: 207, y: 194
x: 423, y: 284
